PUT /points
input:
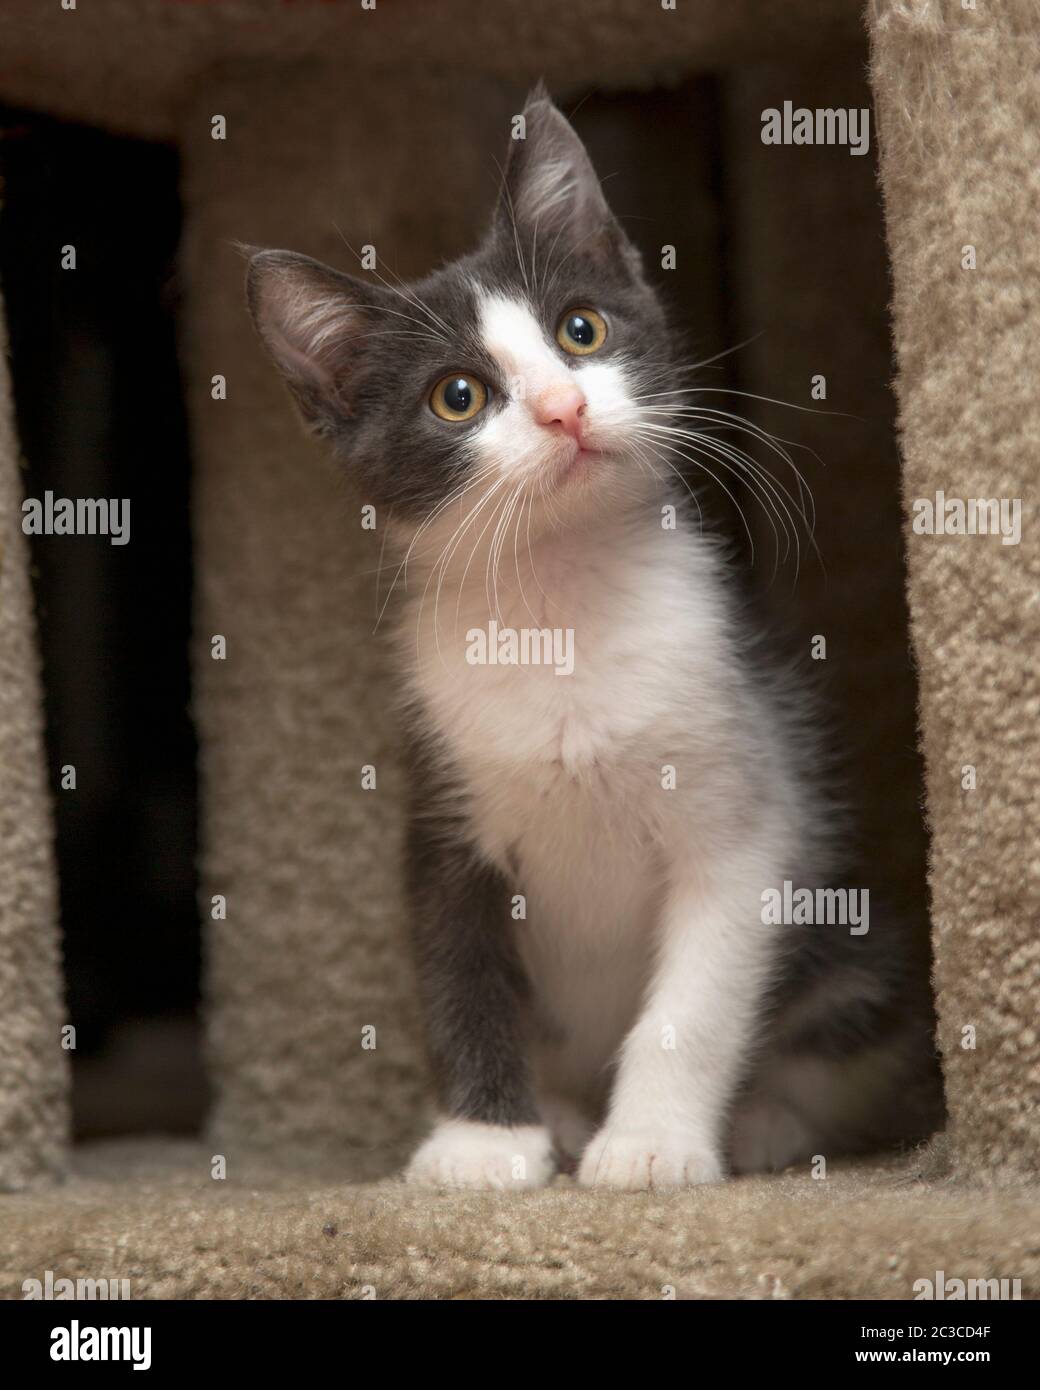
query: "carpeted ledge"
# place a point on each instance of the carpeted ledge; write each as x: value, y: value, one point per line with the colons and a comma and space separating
x: 149, y: 1211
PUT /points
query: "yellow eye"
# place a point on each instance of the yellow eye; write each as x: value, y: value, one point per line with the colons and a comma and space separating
x: 581, y: 331
x: 458, y: 397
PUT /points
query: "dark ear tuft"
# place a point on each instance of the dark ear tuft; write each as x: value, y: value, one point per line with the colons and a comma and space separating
x: 312, y: 320
x: 551, y: 189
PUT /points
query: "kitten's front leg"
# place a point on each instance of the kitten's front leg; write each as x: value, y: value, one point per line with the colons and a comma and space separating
x: 683, y: 1059
x: 472, y: 984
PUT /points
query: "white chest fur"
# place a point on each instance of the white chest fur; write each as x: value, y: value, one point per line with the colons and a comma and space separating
x: 536, y: 740
x: 566, y: 776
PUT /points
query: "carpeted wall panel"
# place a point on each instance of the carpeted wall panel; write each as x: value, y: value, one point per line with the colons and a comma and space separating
x: 33, y: 1070
x: 958, y: 97
x: 128, y: 64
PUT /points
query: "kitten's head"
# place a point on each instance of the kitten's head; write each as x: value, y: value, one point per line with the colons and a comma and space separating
x: 524, y: 367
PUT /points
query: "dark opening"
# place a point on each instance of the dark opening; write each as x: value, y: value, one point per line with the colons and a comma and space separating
x: 100, y: 415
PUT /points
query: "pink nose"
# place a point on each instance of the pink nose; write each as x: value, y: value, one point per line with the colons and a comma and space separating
x: 563, y: 406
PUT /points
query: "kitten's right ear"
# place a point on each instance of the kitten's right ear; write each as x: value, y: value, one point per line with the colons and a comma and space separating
x: 313, y: 320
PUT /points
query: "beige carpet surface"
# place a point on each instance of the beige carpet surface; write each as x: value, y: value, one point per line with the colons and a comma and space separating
x: 958, y: 108
x: 149, y: 1211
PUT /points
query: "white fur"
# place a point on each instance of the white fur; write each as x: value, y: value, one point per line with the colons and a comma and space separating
x: 460, y: 1153
x: 643, y: 937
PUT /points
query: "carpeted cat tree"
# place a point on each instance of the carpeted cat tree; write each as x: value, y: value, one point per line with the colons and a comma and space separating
x: 312, y: 1031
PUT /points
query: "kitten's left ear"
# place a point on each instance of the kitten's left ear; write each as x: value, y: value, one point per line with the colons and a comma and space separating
x: 551, y: 188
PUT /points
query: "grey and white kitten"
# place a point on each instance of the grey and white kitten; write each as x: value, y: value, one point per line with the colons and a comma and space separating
x: 591, y: 838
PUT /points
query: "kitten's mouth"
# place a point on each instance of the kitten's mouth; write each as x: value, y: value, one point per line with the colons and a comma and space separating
x: 579, y: 465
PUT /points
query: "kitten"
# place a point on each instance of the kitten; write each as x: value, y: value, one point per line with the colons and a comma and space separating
x: 590, y: 839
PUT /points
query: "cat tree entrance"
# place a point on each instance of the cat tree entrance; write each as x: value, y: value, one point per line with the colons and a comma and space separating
x: 310, y: 953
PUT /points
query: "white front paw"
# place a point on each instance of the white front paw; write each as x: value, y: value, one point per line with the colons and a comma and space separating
x: 635, y: 1160
x: 462, y: 1153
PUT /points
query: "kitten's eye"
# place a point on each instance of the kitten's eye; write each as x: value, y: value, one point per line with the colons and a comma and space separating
x: 581, y: 331
x: 458, y: 398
